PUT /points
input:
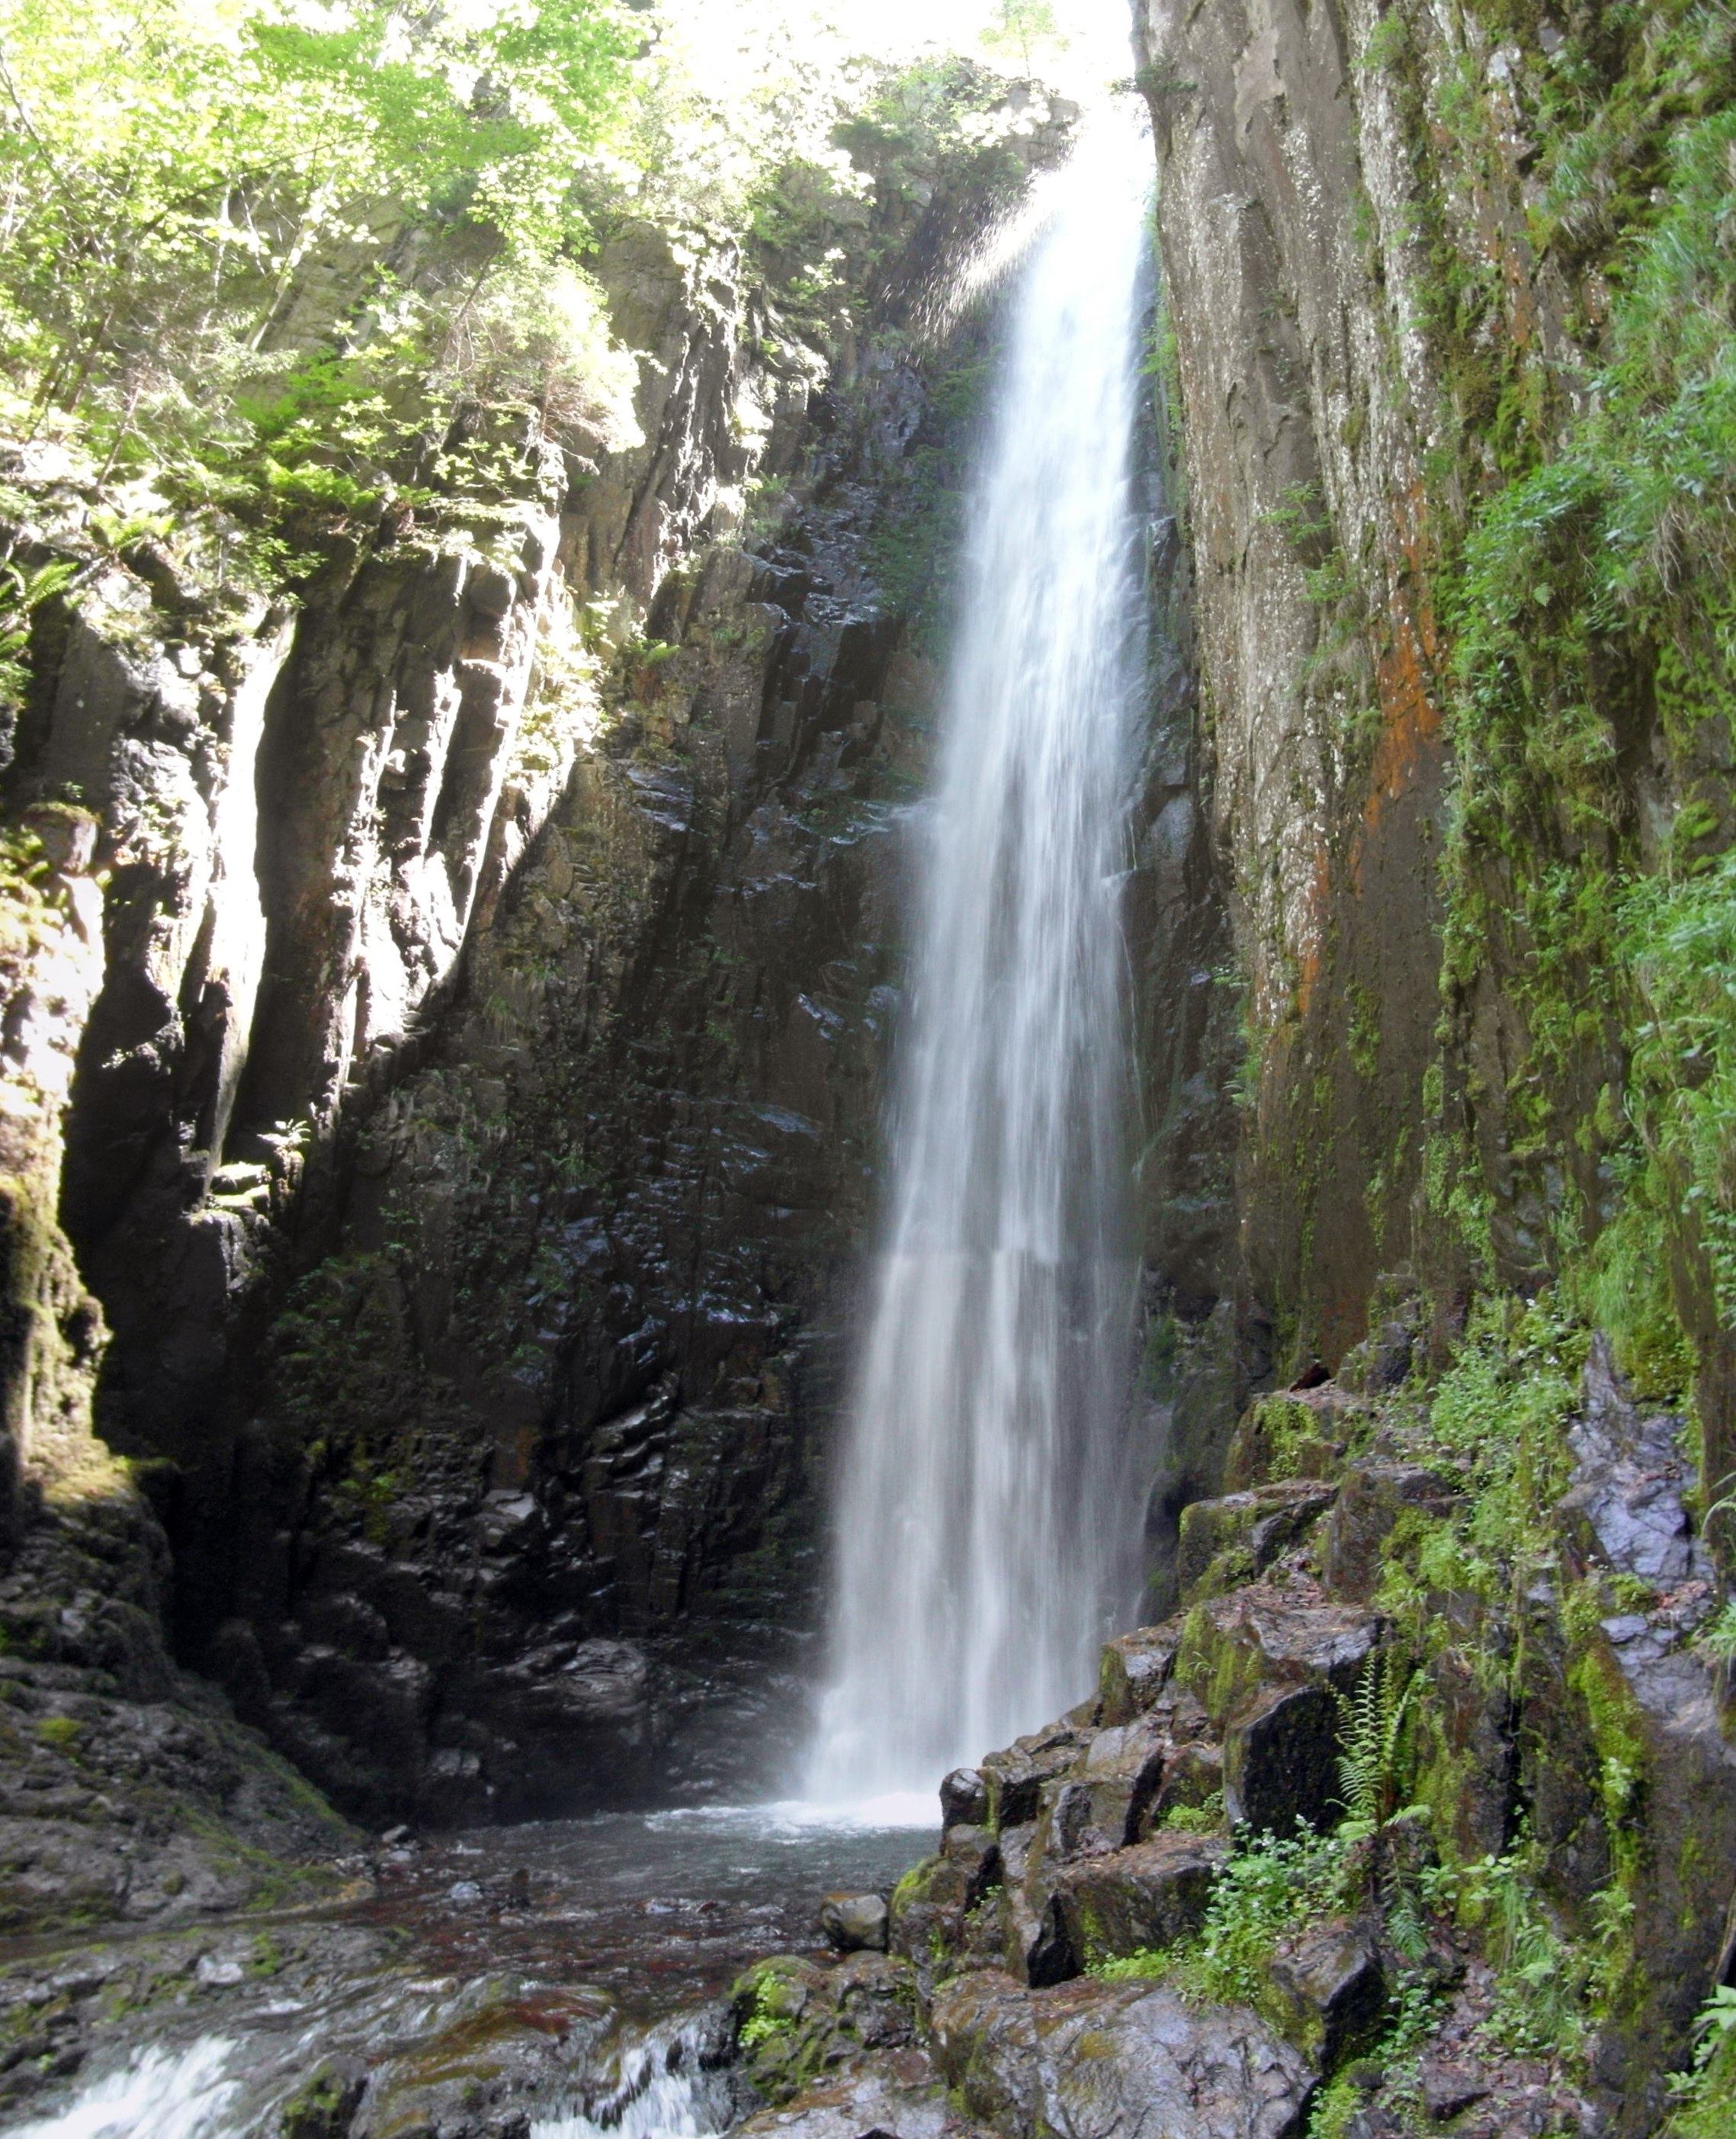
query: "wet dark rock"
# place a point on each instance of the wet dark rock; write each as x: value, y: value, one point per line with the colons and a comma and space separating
x: 324, y: 2106
x: 1134, y: 1670
x: 977, y: 1850
x: 1144, y: 1898
x: 1630, y: 1480
x: 1264, y: 1638
x: 1476, y: 1718
x: 1226, y: 1542
x: 1280, y: 1760
x: 1448, y: 2088
x: 815, y: 2019
x: 854, y: 1923
x: 1331, y: 1981
x: 1093, y: 2059
x: 1372, y: 1498
x: 1675, y: 1725
x: 964, y: 1798
x: 892, y: 2094
x: 1115, y: 1779
x: 128, y: 1791
x: 928, y: 1906
x: 476, y: 2078
x: 1015, y: 1777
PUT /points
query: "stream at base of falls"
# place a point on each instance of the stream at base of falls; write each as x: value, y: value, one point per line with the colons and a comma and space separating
x: 577, y: 1966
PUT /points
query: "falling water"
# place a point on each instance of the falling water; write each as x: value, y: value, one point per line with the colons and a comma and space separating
x: 986, y: 1517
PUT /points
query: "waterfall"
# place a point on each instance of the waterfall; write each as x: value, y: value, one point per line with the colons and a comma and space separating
x: 986, y: 1520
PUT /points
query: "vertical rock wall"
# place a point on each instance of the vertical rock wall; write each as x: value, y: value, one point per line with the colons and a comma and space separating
x: 1306, y: 401
x: 478, y: 1061
x: 1429, y: 269
x: 1396, y: 244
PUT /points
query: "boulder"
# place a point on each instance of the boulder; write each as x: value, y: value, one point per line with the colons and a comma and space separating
x: 1331, y: 1981
x: 927, y: 1906
x: 891, y: 2092
x: 854, y: 1923
x: 1262, y: 1636
x: 1014, y: 1778
x: 821, y: 2018
x: 1234, y: 1539
x: 1280, y: 1760
x: 1133, y: 1671
x: 1112, y: 1783
x: 977, y: 1851
x: 1115, y: 2060
x: 1035, y: 1946
x: 514, y: 2043
x: 1372, y: 1499
x: 965, y: 1799
x: 1135, y: 1901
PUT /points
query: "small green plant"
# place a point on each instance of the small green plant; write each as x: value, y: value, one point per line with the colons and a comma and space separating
x: 1717, y: 1638
x: 1270, y: 1884
x: 21, y: 593
x: 1389, y: 43
x: 1541, y: 1975
x: 1705, y: 2094
x: 760, y: 2027
x: 1722, y: 1510
x: 1335, y: 2108
x: 1146, y: 1965
x: 61, y: 1733
x: 1205, y: 1818
x: 1373, y: 1721
x: 767, y: 2020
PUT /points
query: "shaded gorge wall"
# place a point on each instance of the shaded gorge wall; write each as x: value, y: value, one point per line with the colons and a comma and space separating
x: 491, y: 953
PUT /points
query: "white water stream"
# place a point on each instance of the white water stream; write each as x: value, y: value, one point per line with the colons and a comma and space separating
x: 986, y: 1525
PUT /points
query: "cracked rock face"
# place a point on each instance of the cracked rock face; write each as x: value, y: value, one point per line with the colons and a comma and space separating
x: 486, y: 971
x: 1630, y: 1476
x: 471, y: 998
x: 1092, y: 2060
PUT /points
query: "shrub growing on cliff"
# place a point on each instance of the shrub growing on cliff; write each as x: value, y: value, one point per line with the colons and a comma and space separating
x: 1589, y: 604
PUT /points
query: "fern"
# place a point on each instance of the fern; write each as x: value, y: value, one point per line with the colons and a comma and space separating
x: 1373, y: 1720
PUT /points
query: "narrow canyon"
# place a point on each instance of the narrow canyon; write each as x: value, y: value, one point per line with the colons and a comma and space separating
x: 868, y: 1054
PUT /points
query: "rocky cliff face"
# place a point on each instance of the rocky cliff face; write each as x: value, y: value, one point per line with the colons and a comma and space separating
x: 1418, y: 339
x: 1308, y: 405
x: 1444, y: 313
x: 1280, y: 1872
x: 475, y: 984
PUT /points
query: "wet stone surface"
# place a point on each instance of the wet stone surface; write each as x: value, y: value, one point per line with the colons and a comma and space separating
x: 483, y: 1987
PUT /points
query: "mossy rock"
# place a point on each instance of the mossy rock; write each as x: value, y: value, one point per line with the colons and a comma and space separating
x: 928, y: 1906
x: 1291, y: 1434
x: 1227, y: 1542
x: 795, y: 2018
x: 1133, y: 1670
x: 1259, y: 1638
x: 324, y: 2105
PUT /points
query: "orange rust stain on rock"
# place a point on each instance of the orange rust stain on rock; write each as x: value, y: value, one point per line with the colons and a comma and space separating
x: 1310, y: 967
x: 1410, y: 728
x: 1411, y: 720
